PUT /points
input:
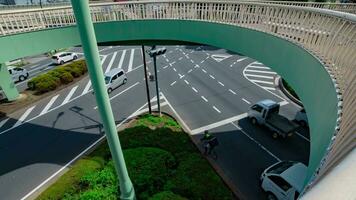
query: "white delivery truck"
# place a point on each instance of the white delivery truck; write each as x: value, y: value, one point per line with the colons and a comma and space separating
x: 266, y: 112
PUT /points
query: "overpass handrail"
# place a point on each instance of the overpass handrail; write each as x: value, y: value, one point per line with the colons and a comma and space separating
x: 328, y: 35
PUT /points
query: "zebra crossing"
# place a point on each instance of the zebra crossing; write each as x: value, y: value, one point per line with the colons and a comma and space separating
x: 117, y: 59
x: 260, y: 75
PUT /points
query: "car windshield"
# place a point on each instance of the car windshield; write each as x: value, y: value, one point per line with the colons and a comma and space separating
x: 54, y: 57
x: 280, y: 167
x: 107, y: 79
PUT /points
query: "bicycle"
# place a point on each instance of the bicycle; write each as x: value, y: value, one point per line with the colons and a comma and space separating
x: 207, y: 151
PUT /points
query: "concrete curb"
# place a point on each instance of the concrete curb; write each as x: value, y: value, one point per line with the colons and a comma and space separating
x: 285, y: 92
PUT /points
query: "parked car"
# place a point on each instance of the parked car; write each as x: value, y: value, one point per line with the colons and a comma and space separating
x: 114, y: 78
x: 63, y: 57
x: 284, y: 180
x: 18, y: 73
x: 301, y: 117
x: 266, y: 112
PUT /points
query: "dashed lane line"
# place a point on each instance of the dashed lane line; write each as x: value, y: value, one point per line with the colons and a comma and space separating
x: 204, y: 98
x: 190, y: 71
x: 174, y: 82
x: 180, y: 58
x: 217, y: 110
x: 204, y: 70
x: 70, y: 94
x: 186, y: 82
x: 252, y: 139
x: 23, y: 117
x: 49, y: 104
x: 175, y: 69
x: 165, y: 67
x: 232, y: 91
x: 195, y: 90
x: 221, y: 83
x: 211, y: 76
x: 246, y: 101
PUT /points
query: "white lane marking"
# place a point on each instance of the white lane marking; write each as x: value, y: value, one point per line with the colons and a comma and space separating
x: 232, y: 91
x: 203, y: 70
x: 111, y: 62
x: 259, y: 76
x: 121, y: 92
x: 241, y: 59
x: 204, y: 98
x: 131, y: 60
x: 221, y: 83
x: 172, y: 63
x: 87, y: 87
x: 192, y: 61
x: 180, y: 58
x: 4, y: 122
x: 23, y: 117
x: 217, y: 110
x: 220, y: 57
x: 268, y: 88
x: 195, y: 90
x: 165, y: 67
x: 145, y: 110
x: 283, y: 103
x: 219, y: 123
x: 181, y: 76
x: 246, y: 101
x: 174, y: 69
x: 211, y: 76
x: 75, y: 158
x: 201, y: 62
x: 50, y: 103
x: 186, y: 82
x: 106, y: 48
x: 259, y: 81
x: 70, y: 94
x: 173, y: 83
x: 260, y: 71
x: 196, y: 66
x: 260, y: 145
x: 300, y: 135
x: 258, y: 67
x: 257, y: 63
x: 190, y: 71
x: 187, y: 56
x: 122, y: 59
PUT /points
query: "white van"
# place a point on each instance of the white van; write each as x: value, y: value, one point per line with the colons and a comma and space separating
x: 114, y: 78
x: 284, y: 180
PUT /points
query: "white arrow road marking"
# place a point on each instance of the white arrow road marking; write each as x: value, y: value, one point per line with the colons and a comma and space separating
x: 220, y: 57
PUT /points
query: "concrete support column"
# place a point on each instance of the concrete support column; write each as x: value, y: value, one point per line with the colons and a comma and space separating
x: 89, y: 44
x: 7, y: 84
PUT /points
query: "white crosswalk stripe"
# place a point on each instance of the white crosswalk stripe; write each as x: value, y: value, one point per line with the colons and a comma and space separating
x: 259, y: 81
x: 111, y: 62
x: 50, y: 103
x: 88, y: 85
x: 122, y: 58
x: 23, y: 117
x: 3, y: 122
x: 70, y: 94
x: 260, y: 75
x: 131, y: 60
x: 260, y: 71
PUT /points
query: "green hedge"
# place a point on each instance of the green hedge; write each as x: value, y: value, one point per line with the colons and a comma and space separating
x: 61, y: 75
x: 166, y: 195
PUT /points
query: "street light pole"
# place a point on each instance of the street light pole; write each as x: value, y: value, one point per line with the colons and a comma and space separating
x: 147, y: 88
x: 157, y: 89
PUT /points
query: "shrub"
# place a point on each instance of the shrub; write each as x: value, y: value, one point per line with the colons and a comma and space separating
x: 66, y: 78
x: 195, y: 179
x: 104, y: 178
x: 166, y: 195
x: 44, y: 83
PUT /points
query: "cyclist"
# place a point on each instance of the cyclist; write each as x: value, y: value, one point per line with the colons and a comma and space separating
x: 210, y: 142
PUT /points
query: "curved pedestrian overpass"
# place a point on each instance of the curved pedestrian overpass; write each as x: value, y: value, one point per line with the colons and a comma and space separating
x: 313, y: 49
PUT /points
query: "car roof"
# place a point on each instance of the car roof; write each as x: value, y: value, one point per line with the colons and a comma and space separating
x: 113, y: 72
x: 60, y: 53
x: 267, y: 103
x: 295, y: 175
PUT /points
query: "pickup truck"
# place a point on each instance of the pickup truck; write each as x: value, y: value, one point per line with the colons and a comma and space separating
x: 266, y: 112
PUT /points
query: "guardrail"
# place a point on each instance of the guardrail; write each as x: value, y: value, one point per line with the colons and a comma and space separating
x: 329, y: 35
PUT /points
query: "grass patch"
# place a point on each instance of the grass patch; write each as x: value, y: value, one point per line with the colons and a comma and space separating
x: 162, y: 162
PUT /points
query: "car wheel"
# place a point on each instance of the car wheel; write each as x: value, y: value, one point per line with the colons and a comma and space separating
x: 62, y: 62
x: 275, y: 135
x: 22, y: 78
x: 271, y: 196
x: 253, y: 121
x: 109, y: 90
x: 124, y: 81
x: 75, y: 57
x: 27, y: 75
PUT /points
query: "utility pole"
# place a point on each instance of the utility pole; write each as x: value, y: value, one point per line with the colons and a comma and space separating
x: 147, y: 88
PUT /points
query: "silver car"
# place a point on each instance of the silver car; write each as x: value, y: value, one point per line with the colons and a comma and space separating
x: 114, y: 78
x: 18, y: 73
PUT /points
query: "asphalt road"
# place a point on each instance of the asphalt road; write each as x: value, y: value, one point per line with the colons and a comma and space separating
x: 208, y: 88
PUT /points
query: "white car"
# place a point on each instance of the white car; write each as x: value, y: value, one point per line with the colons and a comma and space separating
x: 301, y: 117
x: 63, y: 57
x: 114, y: 78
x: 18, y: 73
x: 284, y: 180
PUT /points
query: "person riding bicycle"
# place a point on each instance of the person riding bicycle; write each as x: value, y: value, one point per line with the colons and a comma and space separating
x: 210, y: 142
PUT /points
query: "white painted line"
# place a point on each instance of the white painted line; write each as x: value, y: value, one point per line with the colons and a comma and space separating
x: 221, y: 83
x: 260, y: 145
x: 70, y: 94
x: 172, y: 63
x: 4, y: 122
x: 258, y: 67
x: 195, y: 90
x: 23, y: 117
x: 111, y: 62
x: 283, y: 103
x: 96, y: 107
x: 217, y: 110
x: 167, y: 60
x: 259, y: 81
x: 192, y: 61
x: 300, y: 135
x: 202, y: 61
x: 131, y: 60
x: 211, y: 76
x: 145, y: 110
x: 105, y: 48
x: 122, y: 58
x: 204, y: 98
x: 87, y: 87
x: 232, y: 91
x: 180, y: 58
x: 190, y: 71
x: 50, y: 103
x: 241, y: 59
x: 246, y: 101
x: 186, y: 82
x: 74, y: 159
x: 269, y: 88
x: 259, y: 71
x: 165, y: 67
x: 203, y: 70
x: 187, y: 56
x: 219, y: 123
x: 257, y: 63
x: 259, y: 76
x: 173, y: 83
x: 174, y: 69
